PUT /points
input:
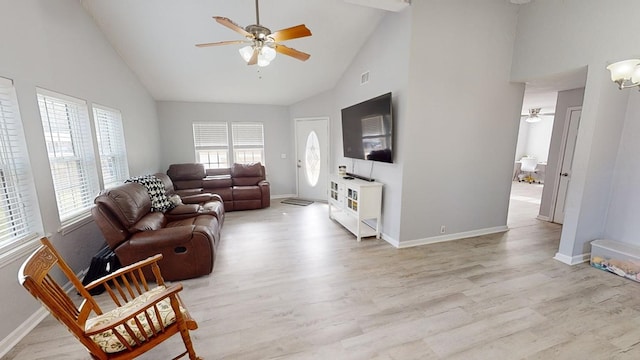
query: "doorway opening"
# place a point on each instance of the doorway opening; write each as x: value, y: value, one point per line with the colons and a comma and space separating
x: 548, y: 141
x: 536, y: 125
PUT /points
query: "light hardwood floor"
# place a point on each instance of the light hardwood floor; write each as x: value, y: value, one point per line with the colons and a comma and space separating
x: 291, y: 284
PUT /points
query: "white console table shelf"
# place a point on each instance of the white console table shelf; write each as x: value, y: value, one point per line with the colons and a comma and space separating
x: 355, y: 203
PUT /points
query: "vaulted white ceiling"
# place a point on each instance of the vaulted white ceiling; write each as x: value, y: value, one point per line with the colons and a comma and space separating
x: 156, y: 39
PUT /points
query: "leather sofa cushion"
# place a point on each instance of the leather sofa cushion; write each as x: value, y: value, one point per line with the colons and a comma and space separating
x: 128, y: 202
x: 246, y: 170
x: 224, y: 172
x: 225, y: 193
x: 151, y: 221
x: 185, y: 209
x: 191, y: 171
x: 246, y: 181
x: 208, y: 221
x: 187, y: 184
x: 212, y: 182
x: 183, y: 193
x: 246, y: 193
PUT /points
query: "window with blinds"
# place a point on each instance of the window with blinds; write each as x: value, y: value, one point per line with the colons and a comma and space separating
x: 111, y: 146
x: 248, y: 142
x: 67, y: 132
x: 18, y: 221
x: 211, y: 140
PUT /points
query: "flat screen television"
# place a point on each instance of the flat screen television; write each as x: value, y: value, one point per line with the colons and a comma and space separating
x: 367, y: 130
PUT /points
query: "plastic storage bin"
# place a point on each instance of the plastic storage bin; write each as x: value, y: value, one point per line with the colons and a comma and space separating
x: 616, y: 257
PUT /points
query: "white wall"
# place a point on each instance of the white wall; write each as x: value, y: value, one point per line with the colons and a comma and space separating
x: 385, y: 55
x: 571, y: 39
x: 622, y: 219
x: 176, y: 132
x: 460, y: 141
x: 56, y: 45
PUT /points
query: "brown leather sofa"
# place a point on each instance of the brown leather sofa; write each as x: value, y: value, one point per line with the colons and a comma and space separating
x: 193, y: 204
x: 241, y: 187
x: 188, y: 243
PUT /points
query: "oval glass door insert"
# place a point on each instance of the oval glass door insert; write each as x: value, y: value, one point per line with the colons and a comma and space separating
x: 312, y: 159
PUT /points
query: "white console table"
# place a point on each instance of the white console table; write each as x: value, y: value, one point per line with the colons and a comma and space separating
x: 352, y: 202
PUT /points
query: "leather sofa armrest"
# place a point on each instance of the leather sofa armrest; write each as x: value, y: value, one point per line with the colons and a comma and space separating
x: 196, y: 198
x: 162, y: 237
x: 266, y: 193
x: 189, y: 192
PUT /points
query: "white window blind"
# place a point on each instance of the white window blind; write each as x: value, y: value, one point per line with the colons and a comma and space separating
x: 111, y: 146
x: 248, y: 142
x: 67, y: 132
x: 17, y: 215
x: 211, y: 140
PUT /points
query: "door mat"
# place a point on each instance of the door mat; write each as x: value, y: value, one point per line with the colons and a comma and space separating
x: 299, y: 202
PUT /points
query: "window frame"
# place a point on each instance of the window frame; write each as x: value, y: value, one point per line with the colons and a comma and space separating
x: 74, y: 143
x: 20, y: 193
x: 116, y: 153
x: 233, y: 145
x: 204, y: 145
x: 251, y: 143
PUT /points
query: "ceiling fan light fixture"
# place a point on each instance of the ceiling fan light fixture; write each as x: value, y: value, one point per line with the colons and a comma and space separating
x: 246, y: 52
x: 534, y: 116
x: 264, y: 43
x: 267, y: 53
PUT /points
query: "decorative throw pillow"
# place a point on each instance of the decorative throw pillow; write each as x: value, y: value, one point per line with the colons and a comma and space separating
x: 155, y: 187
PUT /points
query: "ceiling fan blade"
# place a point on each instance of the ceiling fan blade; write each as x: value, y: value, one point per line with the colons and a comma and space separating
x: 291, y: 33
x: 230, y: 42
x: 285, y: 50
x: 233, y: 26
x: 254, y: 57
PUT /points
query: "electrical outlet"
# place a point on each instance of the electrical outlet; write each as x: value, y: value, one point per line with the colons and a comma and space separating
x: 443, y: 229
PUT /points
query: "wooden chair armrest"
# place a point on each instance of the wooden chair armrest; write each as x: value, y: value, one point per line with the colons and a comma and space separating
x: 137, y: 310
x: 127, y: 269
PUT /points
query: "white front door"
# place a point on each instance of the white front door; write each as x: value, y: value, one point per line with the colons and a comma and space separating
x: 312, y: 157
x: 566, y: 160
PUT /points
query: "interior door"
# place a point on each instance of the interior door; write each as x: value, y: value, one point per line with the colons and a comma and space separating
x: 566, y: 160
x: 312, y: 157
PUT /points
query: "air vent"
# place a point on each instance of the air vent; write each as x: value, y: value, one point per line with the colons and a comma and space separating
x: 364, y: 78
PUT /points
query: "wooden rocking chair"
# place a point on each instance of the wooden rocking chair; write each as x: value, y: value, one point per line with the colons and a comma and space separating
x: 142, y: 318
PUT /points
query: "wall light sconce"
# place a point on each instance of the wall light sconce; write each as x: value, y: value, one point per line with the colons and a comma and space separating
x: 625, y: 73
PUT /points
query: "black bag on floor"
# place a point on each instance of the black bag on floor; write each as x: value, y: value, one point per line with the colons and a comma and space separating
x: 103, y: 263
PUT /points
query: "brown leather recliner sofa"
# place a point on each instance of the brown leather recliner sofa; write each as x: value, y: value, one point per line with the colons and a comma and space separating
x: 187, y: 236
x: 241, y: 187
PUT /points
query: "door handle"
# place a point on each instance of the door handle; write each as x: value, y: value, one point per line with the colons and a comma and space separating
x: 564, y: 174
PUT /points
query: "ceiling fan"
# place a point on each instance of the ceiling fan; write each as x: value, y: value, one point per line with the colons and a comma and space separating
x: 264, y: 44
x: 534, y: 115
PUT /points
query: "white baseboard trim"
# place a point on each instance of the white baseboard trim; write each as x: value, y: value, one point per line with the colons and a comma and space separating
x: 543, y: 218
x: 32, y: 321
x: 450, y: 237
x: 572, y: 260
x: 393, y: 242
x: 21, y: 331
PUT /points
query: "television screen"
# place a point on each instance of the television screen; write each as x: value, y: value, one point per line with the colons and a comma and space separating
x: 367, y: 130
